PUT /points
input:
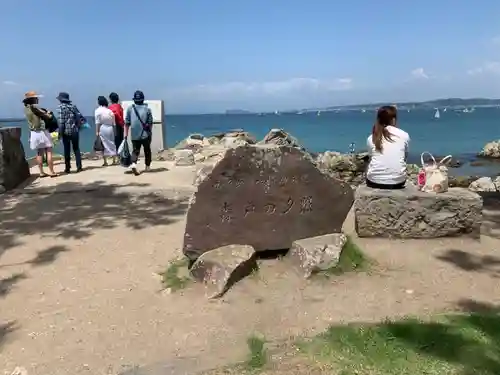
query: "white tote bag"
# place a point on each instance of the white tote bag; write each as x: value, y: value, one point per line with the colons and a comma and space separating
x: 436, y: 174
x: 121, y: 147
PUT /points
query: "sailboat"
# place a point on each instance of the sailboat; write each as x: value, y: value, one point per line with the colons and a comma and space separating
x: 437, y: 115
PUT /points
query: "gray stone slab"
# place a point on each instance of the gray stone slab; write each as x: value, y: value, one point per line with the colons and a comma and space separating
x: 14, y: 168
x: 410, y: 213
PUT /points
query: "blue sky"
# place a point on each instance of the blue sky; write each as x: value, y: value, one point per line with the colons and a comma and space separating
x: 212, y: 55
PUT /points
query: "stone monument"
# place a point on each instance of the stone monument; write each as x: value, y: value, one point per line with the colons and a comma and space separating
x: 265, y: 196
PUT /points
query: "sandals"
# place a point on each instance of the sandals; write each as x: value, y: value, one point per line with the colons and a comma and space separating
x: 44, y: 175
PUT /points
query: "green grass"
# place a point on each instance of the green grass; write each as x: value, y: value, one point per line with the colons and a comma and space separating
x: 351, y: 259
x: 257, y: 356
x: 448, y: 345
x: 176, y: 276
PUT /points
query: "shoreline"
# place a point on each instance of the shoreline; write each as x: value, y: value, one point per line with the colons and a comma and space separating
x: 469, y: 166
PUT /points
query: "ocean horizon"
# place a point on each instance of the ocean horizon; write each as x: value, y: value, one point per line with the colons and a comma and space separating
x: 455, y: 133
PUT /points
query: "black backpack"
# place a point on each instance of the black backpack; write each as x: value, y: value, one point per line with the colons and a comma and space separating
x: 51, y: 125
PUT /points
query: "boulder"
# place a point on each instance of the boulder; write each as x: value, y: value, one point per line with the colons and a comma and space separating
x: 410, y: 213
x: 264, y: 196
x: 483, y: 184
x: 233, y: 141
x: 491, y: 150
x: 242, y: 136
x: 221, y: 268
x: 165, y: 155
x: 184, y: 157
x: 193, y: 141
x: 316, y: 254
x: 14, y: 168
x: 280, y: 137
x: 346, y: 167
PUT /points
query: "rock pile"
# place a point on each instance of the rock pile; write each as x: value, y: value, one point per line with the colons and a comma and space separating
x: 350, y: 168
x: 490, y: 150
x: 256, y: 198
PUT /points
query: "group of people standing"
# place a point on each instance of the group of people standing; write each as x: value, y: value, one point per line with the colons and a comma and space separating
x: 111, y: 126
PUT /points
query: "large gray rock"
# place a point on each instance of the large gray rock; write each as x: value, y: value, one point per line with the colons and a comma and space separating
x: 221, y: 268
x: 280, y: 137
x: 317, y: 254
x: 410, y: 213
x: 14, y: 168
x: 264, y: 196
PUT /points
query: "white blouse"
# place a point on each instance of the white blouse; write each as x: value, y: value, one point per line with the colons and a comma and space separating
x: 104, y: 116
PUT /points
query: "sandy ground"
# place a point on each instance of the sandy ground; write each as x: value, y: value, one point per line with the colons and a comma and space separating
x: 79, y: 293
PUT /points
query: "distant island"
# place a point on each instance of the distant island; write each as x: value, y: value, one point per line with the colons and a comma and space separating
x: 437, y: 103
x: 452, y: 103
x: 238, y: 112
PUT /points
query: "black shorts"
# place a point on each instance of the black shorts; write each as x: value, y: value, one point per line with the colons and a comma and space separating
x: 374, y: 185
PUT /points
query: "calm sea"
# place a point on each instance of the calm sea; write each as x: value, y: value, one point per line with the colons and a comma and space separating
x: 457, y: 133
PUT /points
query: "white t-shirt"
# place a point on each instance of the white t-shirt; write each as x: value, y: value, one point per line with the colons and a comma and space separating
x: 104, y: 116
x: 389, y: 167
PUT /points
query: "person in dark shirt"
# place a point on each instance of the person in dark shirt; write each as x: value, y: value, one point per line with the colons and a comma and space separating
x: 70, y: 119
x: 117, y: 109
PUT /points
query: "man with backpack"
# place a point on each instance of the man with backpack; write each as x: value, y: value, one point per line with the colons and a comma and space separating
x: 139, y: 119
x: 70, y: 120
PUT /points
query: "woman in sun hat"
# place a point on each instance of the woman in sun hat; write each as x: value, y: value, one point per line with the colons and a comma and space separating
x: 40, y: 139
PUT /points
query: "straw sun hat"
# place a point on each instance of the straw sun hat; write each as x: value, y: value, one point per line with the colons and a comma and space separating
x: 31, y: 94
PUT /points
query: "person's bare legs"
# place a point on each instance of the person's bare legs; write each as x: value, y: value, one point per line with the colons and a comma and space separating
x: 50, y: 162
x: 39, y: 159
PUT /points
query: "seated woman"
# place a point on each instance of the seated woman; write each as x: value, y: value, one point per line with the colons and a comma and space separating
x: 388, y: 148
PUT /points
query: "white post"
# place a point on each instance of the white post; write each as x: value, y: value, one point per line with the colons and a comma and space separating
x: 158, y: 111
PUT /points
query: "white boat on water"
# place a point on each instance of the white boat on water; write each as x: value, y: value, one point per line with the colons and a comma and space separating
x: 437, y: 115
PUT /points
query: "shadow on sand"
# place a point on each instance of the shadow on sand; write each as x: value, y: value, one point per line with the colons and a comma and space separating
x: 472, y: 262
x: 73, y: 210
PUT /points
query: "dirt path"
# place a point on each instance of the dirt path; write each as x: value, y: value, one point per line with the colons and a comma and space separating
x: 79, y: 294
